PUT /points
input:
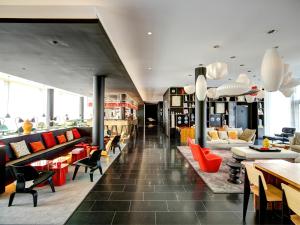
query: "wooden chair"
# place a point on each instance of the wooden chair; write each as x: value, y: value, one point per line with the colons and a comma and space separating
x: 293, y: 200
x: 259, y: 187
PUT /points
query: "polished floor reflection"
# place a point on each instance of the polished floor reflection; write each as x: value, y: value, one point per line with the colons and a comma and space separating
x: 151, y: 183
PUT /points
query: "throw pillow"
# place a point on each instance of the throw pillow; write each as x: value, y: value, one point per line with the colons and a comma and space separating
x: 232, y: 134
x: 49, y: 139
x: 240, y: 131
x: 296, y: 139
x: 247, y: 135
x: 61, y: 139
x: 69, y: 135
x: 76, y: 133
x: 37, y: 146
x: 223, y: 135
x: 214, y: 135
x: 20, y: 148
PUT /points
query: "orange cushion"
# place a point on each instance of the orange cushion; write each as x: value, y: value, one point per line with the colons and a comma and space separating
x: 214, y: 135
x: 76, y: 133
x: 232, y: 134
x: 61, y: 139
x: 37, y: 146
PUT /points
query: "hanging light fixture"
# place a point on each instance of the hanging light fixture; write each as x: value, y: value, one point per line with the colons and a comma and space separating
x: 243, y: 79
x: 232, y: 89
x: 288, y: 92
x: 216, y: 71
x: 272, y: 70
x: 189, y: 89
x: 212, y: 93
x: 201, y: 87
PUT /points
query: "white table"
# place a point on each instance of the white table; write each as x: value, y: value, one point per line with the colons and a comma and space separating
x: 251, y: 154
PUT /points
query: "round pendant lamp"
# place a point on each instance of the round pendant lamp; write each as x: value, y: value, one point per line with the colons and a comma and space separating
x: 287, y: 92
x: 216, y: 71
x: 232, y: 89
x: 189, y: 89
x: 272, y: 70
x: 201, y: 88
x: 243, y: 79
x: 212, y: 93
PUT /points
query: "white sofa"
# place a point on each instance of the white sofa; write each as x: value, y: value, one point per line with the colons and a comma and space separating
x: 228, y: 143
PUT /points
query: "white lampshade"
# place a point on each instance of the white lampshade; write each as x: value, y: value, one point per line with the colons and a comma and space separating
x: 287, y: 92
x: 249, y: 98
x: 212, y: 93
x: 272, y: 70
x: 201, y: 88
x: 243, y: 79
x: 289, y: 81
x: 216, y: 71
x: 232, y: 89
x: 189, y: 89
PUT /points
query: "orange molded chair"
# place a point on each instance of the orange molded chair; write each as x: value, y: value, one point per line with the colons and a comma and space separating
x: 195, y: 151
x: 209, y: 162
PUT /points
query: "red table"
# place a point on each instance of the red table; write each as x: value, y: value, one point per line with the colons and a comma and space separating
x: 61, y: 171
x: 77, y: 154
x: 41, y: 165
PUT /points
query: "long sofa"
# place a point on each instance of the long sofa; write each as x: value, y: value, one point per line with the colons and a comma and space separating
x: 48, y: 153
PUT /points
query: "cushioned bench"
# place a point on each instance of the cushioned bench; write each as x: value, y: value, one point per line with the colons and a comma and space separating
x: 48, y: 153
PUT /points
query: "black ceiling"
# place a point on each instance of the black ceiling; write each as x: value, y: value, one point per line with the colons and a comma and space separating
x: 63, y: 54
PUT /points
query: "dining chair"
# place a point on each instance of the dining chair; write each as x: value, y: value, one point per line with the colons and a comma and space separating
x: 259, y: 187
x: 293, y: 201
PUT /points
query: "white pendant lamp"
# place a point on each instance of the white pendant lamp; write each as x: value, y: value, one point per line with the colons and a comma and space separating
x: 189, y: 89
x: 216, y: 71
x: 243, y: 79
x: 201, y: 88
x: 212, y: 93
x: 249, y: 98
x: 287, y: 92
x: 272, y: 70
x: 232, y: 89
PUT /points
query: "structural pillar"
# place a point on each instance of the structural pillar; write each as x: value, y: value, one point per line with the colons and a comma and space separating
x: 200, y: 113
x: 50, y: 106
x: 98, y: 113
x: 81, y: 108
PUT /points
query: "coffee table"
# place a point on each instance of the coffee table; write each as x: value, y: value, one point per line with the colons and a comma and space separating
x: 250, y: 154
x: 77, y: 154
x: 61, y: 171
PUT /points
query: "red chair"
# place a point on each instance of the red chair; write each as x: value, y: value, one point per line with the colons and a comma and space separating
x: 209, y: 162
x: 195, y: 150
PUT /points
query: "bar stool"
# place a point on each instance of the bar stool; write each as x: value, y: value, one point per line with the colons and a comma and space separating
x: 293, y: 200
x: 265, y: 192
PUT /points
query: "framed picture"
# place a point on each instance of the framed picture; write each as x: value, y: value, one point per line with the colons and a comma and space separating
x: 220, y: 107
x: 176, y: 101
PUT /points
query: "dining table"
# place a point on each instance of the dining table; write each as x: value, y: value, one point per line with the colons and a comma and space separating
x: 282, y: 170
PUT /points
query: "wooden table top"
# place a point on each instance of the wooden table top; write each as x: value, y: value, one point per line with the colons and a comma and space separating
x: 284, y: 170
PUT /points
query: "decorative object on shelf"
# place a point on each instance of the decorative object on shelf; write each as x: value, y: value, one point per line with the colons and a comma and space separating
x: 272, y: 70
x: 201, y: 88
x: 212, y: 93
x: 212, y: 110
x: 189, y: 89
x: 216, y: 71
x: 172, y: 120
x: 260, y: 123
x: 185, y: 111
x: 228, y: 99
x: 241, y: 98
x: 261, y: 94
x: 232, y: 89
x: 266, y: 143
x: 27, y: 127
x: 243, y: 79
x: 249, y: 98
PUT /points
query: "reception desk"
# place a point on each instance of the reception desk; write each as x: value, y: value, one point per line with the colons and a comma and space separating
x: 119, y: 126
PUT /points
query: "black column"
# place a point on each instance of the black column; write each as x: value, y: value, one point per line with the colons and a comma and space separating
x: 200, y: 113
x: 50, y: 105
x: 98, y: 114
x: 81, y: 108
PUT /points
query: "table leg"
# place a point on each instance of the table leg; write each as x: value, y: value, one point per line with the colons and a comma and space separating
x: 246, y: 195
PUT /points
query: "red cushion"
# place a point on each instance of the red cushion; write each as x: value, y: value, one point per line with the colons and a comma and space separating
x: 6, y: 156
x: 76, y: 133
x: 61, y: 139
x: 37, y: 146
x: 49, y: 139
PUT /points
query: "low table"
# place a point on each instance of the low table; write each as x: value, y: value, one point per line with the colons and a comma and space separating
x: 250, y: 154
x: 77, y: 154
x: 61, y: 171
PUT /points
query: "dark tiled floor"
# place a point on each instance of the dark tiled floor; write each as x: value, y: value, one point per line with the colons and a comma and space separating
x: 151, y: 183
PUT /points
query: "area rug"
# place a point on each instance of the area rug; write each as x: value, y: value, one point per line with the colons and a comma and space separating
x: 53, y: 208
x: 217, y: 182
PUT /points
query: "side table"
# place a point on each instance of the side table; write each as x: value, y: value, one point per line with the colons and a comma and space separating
x: 77, y: 154
x: 61, y: 171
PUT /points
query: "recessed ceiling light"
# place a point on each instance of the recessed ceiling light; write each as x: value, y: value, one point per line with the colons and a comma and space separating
x: 55, y: 42
x: 200, y: 64
x: 233, y: 57
x: 190, y: 75
x: 273, y: 31
x: 23, y: 68
x: 254, y: 75
x: 242, y: 65
x: 216, y: 46
x: 249, y: 71
x: 149, y: 33
x: 229, y: 79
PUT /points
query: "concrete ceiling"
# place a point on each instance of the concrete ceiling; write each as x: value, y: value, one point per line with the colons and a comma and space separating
x: 63, y: 55
x: 184, y: 33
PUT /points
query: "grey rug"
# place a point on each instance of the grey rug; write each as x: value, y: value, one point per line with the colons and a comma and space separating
x: 217, y: 182
x: 53, y: 208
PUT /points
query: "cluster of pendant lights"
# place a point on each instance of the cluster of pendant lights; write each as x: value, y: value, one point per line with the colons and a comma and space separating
x: 275, y: 75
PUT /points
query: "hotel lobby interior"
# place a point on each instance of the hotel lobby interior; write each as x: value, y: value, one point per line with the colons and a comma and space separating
x: 149, y: 112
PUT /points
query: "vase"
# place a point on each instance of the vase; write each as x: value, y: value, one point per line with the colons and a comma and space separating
x: 27, y: 127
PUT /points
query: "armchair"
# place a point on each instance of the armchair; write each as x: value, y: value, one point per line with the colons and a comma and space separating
x: 28, y: 173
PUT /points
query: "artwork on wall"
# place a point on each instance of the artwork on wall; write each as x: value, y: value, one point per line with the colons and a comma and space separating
x: 220, y: 107
x: 176, y: 101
